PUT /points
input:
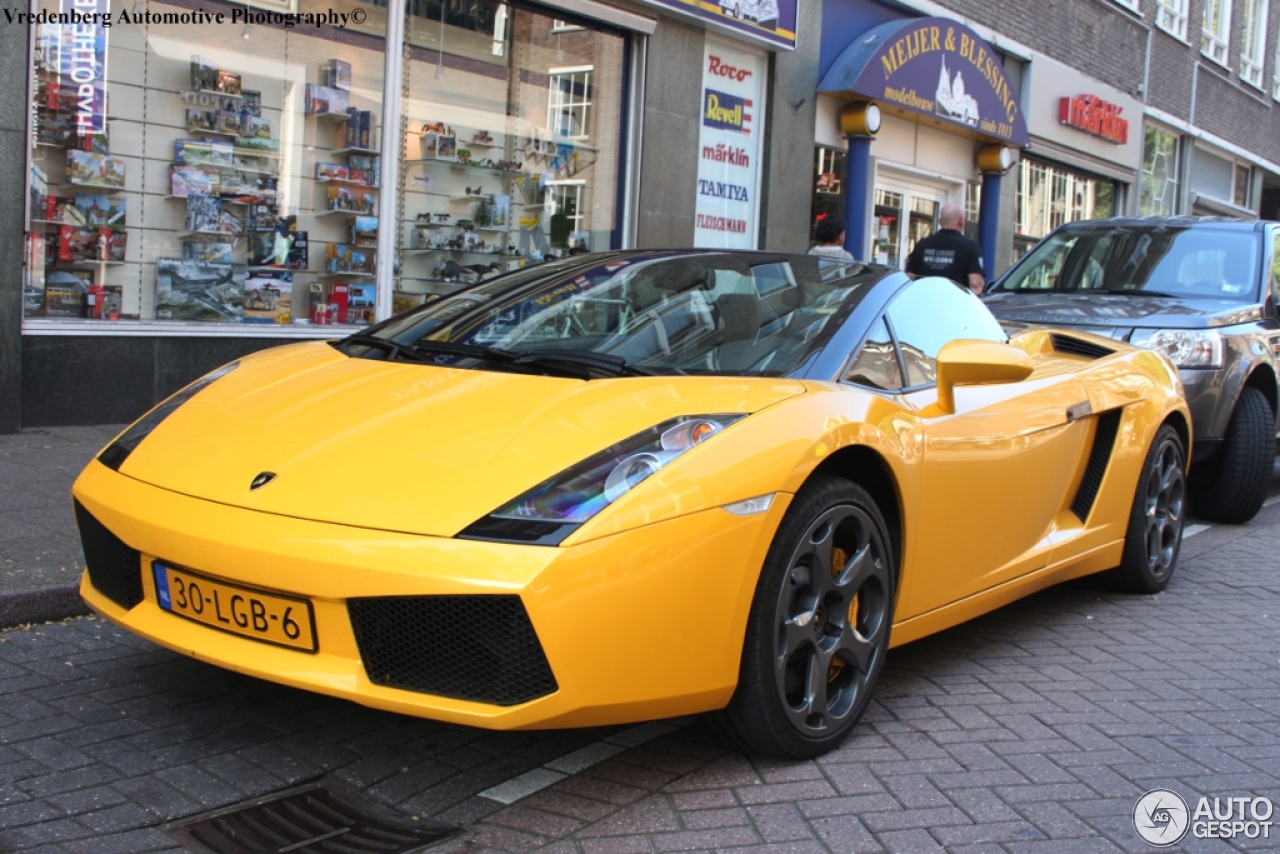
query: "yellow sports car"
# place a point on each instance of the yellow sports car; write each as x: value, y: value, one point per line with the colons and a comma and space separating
x: 635, y: 485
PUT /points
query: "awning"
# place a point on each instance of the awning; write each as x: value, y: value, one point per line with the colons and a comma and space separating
x: 931, y: 71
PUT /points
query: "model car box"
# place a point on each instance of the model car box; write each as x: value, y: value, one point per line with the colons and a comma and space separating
x: 65, y: 293
x: 88, y: 168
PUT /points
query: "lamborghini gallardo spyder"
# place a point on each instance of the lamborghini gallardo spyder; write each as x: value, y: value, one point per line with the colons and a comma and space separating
x: 635, y: 485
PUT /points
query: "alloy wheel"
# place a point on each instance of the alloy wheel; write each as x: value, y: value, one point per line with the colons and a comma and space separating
x: 831, y: 620
x: 1165, y: 508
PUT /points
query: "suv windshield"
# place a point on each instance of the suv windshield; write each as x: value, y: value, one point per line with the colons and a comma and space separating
x: 1177, y: 261
x: 750, y: 314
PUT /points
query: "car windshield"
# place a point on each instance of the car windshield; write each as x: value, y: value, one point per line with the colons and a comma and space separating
x: 1177, y: 261
x: 696, y: 313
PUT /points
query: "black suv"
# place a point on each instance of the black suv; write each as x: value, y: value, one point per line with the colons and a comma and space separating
x: 1202, y: 292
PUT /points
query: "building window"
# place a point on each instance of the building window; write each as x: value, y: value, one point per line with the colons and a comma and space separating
x: 1241, y: 185
x: 1158, y: 193
x: 1050, y: 195
x: 1129, y: 4
x: 1253, y: 42
x: 570, y: 102
x: 559, y: 25
x: 1216, y: 31
x: 1171, y: 16
x: 972, y: 207
x: 567, y: 214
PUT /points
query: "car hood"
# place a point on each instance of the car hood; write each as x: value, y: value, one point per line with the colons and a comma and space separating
x: 401, y: 446
x: 1115, y: 310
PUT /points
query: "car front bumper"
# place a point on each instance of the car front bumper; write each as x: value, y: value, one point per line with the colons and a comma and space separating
x: 643, y: 624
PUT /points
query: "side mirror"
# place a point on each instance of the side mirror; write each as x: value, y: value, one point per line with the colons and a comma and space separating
x: 978, y: 363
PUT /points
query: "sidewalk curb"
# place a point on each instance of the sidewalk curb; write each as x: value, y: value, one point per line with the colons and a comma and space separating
x: 42, y: 605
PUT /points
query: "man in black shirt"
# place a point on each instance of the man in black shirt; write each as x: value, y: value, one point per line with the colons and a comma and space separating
x: 948, y: 253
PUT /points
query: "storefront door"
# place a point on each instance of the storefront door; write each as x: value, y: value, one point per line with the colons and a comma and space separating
x: 903, y: 215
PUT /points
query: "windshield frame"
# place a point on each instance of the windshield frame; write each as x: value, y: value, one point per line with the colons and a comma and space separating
x: 500, y: 313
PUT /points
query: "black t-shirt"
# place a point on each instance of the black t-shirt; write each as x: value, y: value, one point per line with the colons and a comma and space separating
x: 947, y: 253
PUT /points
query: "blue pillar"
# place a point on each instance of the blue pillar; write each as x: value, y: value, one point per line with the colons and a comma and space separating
x: 989, y: 221
x: 856, y: 187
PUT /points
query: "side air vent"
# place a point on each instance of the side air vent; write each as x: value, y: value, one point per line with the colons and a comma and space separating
x: 115, y: 570
x: 1104, y: 442
x: 1076, y: 347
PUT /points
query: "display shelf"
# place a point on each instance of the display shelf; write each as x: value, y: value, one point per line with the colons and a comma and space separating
x: 346, y: 213
x: 217, y: 93
x: 428, y: 224
x: 336, y: 118
x: 226, y: 201
x: 87, y: 189
x: 460, y: 165
x: 259, y: 268
x: 182, y: 235
x: 342, y: 152
x: 466, y: 252
x: 344, y: 275
x: 346, y: 181
x: 468, y: 197
x: 214, y: 132
x: 85, y: 265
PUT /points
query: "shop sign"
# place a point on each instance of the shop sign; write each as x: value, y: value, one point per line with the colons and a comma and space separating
x: 1091, y: 114
x: 932, y: 66
x: 78, y: 53
x: 770, y: 21
x: 728, y: 149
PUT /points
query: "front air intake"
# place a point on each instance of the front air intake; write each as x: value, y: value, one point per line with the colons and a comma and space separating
x: 480, y: 648
x: 115, y: 570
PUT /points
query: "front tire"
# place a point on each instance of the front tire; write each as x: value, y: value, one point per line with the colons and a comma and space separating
x: 1232, y: 487
x: 1159, y: 511
x: 818, y: 631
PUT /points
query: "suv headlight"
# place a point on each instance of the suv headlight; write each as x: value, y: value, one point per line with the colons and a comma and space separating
x: 1186, y: 348
x: 547, y: 513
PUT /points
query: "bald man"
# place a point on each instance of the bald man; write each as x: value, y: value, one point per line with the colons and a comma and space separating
x: 948, y: 253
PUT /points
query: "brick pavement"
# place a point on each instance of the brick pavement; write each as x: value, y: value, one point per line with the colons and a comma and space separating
x: 1030, y: 730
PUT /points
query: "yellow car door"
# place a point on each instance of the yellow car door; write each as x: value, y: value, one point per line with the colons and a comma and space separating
x: 996, y: 471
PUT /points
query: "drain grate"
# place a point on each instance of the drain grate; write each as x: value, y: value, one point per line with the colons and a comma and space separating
x: 315, y: 820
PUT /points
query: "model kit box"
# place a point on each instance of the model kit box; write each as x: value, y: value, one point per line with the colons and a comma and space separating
x: 34, y: 275
x: 256, y: 127
x: 333, y: 172
x: 227, y: 121
x: 251, y: 102
x: 204, y: 214
x: 228, y: 83
x: 65, y: 293
x: 360, y: 304
x: 211, y: 152
x: 94, y: 170
x: 97, y: 211
x: 204, y: 75
x: 364, y: 231
x: 229, y: 223
x: 324, y: 99
x: 185, y: 181
x: 206, y: 250
x: 339, y: 297
x: 103, y: 302
x: 193, y: 290
x: 268, y: 296
x: 338, y: 74
x: 202, y: 121
x: 116, y: 242
x: 366, y: 129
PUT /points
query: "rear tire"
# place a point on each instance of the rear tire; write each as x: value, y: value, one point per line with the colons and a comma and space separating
x: 1232, y: 487
x: 1156, y: 519
x: 818, y: 631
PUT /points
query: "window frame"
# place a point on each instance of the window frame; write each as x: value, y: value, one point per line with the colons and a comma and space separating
x: 1253, y: 64
x: 1171, y: 16
x: 1131, y: 5
x: 557, y: 108
x: 1215, y: 35
x: 1144, y: 176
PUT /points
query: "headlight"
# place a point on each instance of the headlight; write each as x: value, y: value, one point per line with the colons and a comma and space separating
x: 1186, y: 348
x: 114, y: 455
x: 554, y: 507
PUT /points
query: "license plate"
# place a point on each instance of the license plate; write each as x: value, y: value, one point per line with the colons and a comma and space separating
x: 281, y: 620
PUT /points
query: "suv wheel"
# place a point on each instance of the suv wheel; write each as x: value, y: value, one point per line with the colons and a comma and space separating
x: 1232, y: 486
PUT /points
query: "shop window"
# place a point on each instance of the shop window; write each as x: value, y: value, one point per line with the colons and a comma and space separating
x: 1253, y: 42
x: 570, y: 101
x: 1216, y: 29
x: 829, y: 172
x: 510, y: 156
x: 1158, y: 190
x: 1171, y: 16
x: 972, y: 208
x: 1050, y: 195
x: 884, y: 228
x: 239, y: 176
